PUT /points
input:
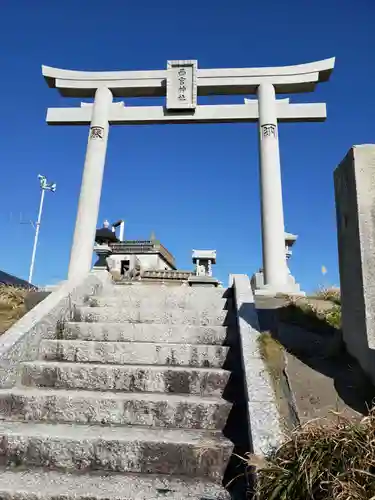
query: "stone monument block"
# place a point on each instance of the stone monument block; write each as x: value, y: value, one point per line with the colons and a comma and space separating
x: 355, y: 211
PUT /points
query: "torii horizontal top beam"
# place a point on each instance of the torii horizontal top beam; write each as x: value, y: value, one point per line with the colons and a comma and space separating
x: 286, y: 79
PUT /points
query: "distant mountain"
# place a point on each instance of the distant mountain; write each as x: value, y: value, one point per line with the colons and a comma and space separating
x: 9, y: 279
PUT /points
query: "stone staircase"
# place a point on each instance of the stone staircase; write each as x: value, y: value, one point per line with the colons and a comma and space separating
x: 126, y: 401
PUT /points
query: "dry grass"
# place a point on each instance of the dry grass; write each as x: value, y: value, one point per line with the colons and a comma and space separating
x: 273, y: 355
x: 303, y: 313
x: 272, y: 352
x: 331, y: 294
x: 321, y: 462
x: 12, y: 305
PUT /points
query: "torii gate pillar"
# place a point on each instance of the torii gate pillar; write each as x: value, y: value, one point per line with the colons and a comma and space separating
x: 272, y: 213
x: 91, y: 187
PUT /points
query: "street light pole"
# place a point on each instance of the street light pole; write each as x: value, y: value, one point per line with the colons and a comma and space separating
x: 44, y: 187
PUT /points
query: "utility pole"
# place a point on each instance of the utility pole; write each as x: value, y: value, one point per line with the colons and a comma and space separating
x: 44, y: 187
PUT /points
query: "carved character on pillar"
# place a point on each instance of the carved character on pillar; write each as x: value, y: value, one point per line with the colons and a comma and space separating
x: 269, y: 130
x: 97, y: 133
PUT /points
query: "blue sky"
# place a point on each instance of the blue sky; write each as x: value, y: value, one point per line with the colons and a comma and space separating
x: 196, y: 186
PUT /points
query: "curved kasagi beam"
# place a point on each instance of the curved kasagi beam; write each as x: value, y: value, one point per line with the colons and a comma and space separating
x: 298, y: 78
x: 323, y: 67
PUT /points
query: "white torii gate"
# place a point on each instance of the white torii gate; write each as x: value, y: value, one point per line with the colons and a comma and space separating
x: 181, y: 83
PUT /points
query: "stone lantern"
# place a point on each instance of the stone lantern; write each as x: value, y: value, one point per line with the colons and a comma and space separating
x: 290, y: 239
x: 103, y: 237
x: 292, y: 288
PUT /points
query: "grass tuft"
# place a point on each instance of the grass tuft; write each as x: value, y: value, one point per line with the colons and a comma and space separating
x: 331, y: 294
x: 273, y: 355
x: 272, y: 352
x: 321, y: 462
x: 12, y: 305
x: 12, y: 296
x: 310, y: 316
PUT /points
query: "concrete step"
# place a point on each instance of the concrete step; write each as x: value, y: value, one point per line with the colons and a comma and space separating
x: 113, y: 408
x: 146, y: 315
x: 129, y: 378
x: 162, y: 301
x: 135, y: 353
x: 38, y: 484
x: 194, y: 453
x: 142, y: 332
x: 142, y: 290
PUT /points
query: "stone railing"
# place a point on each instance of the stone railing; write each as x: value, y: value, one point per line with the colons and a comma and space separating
x: 166, y: 275
x: 265, y: 430
x: 133, y: 246
x: 21, y: 342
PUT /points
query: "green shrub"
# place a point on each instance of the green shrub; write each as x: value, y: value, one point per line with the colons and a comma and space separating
x: 333, y: 316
